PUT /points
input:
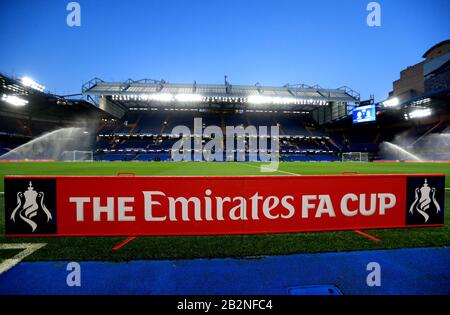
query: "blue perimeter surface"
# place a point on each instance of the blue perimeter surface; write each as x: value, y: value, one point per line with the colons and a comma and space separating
x: 403, y: 271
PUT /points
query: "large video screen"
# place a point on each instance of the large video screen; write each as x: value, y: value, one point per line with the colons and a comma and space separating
x: 364, y: 114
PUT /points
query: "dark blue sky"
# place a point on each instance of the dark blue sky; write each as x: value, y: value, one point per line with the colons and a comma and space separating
x: 271, y: 42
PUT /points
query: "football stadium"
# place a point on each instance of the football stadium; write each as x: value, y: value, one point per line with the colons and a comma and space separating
x: 246, y: 188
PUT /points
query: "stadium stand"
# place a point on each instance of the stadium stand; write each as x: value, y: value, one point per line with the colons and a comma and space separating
x: 147, y: 111
x: 143, y: 133
x: 40, y: 114
x: 133, y: 120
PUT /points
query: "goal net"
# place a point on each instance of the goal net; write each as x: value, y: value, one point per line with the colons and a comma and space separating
x: 71, y: 156
x: 355, y: 157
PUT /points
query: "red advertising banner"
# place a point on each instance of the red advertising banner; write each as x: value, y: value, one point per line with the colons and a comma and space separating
x: 192, y: 205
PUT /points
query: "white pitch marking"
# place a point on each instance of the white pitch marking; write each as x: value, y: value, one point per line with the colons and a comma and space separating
x: 28, y: 249
x: 275, y: 170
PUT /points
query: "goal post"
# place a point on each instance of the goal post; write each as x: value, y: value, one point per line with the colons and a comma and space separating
x: 77, y: 156
x: 355, y: 157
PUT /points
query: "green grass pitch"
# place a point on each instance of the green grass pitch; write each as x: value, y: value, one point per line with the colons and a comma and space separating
x: 179, y: 247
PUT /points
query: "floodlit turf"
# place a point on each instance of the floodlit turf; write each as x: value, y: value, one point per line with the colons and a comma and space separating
x: 99, y: 248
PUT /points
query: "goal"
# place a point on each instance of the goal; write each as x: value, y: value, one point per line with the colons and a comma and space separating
x: 355, y: 157
x: 77, y: 156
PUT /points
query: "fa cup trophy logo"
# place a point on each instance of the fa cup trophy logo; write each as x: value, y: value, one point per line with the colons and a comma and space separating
x: 423, y: 199
x: 29, y: 204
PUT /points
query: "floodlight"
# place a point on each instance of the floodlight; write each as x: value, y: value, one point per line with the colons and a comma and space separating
x: 259, y: 99
x: 188, y: 97
x: 26, y: 81
x: 14, y: 100
x: 419, y: 113
x: 161, y: 97
x: 391, y: 102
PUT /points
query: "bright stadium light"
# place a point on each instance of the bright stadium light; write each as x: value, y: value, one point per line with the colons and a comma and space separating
x: 258, y: 99
x: 419, y: 113
x: 261, y: 99
x: 14, y: 100
x: 391, y: 102
x: 159, y: 97
x: 283, y: 100
x: 167, y: 97
x: 188, y: 97
x: 32, y: 84
x: 163, y: 97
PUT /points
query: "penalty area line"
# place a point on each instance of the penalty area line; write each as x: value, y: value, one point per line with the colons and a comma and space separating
x: 259, y: 167
x: 28, y: 249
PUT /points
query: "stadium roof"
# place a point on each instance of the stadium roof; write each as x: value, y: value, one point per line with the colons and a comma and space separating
x: 440, y: 44
x: 137, y: 93
x: 30, y: 102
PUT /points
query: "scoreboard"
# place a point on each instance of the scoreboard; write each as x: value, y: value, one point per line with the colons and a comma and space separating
x: 363, y: 114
